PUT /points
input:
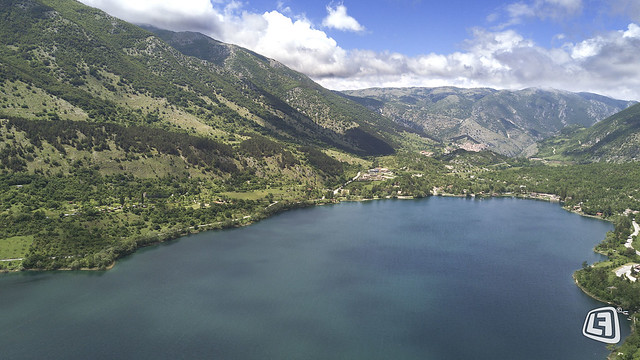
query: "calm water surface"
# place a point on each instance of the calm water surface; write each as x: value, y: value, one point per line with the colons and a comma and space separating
x: 438, y: 278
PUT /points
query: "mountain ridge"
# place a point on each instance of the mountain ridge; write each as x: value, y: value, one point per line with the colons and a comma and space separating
x: 509, y: 122
x: 614, y: 139
x: 99, y: 68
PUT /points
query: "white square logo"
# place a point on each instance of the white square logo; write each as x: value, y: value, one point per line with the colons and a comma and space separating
x: 602, y: 325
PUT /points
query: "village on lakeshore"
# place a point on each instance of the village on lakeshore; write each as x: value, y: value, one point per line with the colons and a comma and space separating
x: 377, y: 174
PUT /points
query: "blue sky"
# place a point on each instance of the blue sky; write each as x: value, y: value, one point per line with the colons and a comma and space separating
x: 413, y: 27
x: 574, y: 45
x: 406, y: 26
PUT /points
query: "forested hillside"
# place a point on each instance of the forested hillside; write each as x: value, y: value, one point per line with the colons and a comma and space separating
x: 110, y: 138
x: 80, y: 194
x: 61, y: 59
x: 615, y: 139
x: 114, y: 137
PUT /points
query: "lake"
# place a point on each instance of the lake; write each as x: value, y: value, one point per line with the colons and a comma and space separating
x: 435, y: 278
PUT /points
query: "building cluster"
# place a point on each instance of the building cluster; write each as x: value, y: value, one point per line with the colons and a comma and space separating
x: 376, y: 174
x: 473, y: 147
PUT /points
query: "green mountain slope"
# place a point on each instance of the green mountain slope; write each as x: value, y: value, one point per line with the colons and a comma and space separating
x: 508, y: 122
x: 290, y: 91
x: 61, y: 59
x: 110, y: 138
x: 615, y: 139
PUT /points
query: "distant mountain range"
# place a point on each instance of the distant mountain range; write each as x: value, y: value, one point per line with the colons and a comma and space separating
x: 506, y: 121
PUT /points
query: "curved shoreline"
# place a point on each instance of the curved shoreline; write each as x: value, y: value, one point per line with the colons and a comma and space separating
x: 575, y: 280
x: 172, y: 234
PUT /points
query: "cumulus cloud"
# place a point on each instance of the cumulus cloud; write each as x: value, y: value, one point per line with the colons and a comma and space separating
x: 606, y: 63
x: 295, y: 43
x: 292, y: 40
x: 196, y: 15
x: 338, y: 18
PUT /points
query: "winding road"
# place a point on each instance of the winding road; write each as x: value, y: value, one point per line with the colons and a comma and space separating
x: 335, y: 192
x: 636, y: 231
x: 626, y: 269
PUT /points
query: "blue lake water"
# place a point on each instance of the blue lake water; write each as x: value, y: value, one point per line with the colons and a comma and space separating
x: 436, y: 278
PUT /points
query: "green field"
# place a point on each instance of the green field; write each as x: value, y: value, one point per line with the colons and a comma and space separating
x: 254, y: 195
x: 15, y: 247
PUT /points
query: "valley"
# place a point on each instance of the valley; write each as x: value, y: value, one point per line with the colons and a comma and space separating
x: 504, y: 121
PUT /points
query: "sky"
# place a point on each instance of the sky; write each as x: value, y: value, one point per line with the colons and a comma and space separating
x: 573, y: 45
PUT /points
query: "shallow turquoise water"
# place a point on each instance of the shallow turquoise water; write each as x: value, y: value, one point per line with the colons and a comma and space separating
x: 437, y: 278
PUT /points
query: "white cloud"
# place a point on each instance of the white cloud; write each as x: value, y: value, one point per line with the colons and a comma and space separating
x: 632, y: 32
x: 586, y: 49
x: 337, y: 18
x: 519, y: 12
x: 197, y: 15
x: 607, y: 63
x: 283, y: 8
x: 295, y: 42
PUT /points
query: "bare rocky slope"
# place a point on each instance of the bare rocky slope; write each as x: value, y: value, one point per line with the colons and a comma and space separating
x: 508, y: 122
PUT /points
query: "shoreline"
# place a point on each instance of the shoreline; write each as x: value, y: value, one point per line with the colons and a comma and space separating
x: 174, y: 234
x: 256, y: 217
x: 253, y: 218
x: 587, y: 292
